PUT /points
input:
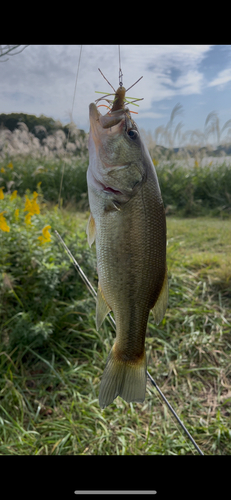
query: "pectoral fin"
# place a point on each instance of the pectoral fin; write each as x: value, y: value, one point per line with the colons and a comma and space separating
x: 102, y: 308
x: 90, y: 230
x: 160, y: 306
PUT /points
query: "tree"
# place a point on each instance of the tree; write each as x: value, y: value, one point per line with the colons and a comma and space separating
x: 10, y: 50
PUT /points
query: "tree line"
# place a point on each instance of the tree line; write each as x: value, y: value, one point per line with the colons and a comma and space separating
x: 11, y: 120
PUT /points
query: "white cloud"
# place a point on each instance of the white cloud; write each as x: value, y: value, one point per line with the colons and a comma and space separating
x: 155, y: 63
x: 42, y: 78
x: 149, y: 114
x: 190, y: 83
x: 222, y: 78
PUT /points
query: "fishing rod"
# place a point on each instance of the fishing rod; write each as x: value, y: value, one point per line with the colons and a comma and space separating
x: 113, y: 324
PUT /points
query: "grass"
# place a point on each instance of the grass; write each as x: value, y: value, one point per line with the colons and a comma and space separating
x: 52, y: 357
x: 25, y: 173
x: 195, y: 191
x: 186, y: 191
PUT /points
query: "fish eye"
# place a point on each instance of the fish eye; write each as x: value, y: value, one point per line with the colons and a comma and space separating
x: 132, y: 134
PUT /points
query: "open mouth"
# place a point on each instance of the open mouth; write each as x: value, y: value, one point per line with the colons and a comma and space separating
x: 109, y: 120
x: 108, y: 189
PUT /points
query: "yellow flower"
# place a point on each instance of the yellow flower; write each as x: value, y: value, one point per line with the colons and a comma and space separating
x: 10, y: 165
x: 3, y: 223
x: 32, y: 206
x: 1, y: 193
x: 46, y: 235
x: 16, y: 213
x: 39, y: 184
x: 27, y: 205
x: 196, y: 164
x: 2, y: 170
x: 28, y: 219
x: 155, y: 162
x: 14, y: 195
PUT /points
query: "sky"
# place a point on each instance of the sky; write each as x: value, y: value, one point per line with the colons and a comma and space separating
x: 41, y: 80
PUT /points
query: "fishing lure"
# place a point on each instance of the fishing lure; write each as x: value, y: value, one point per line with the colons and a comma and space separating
x: 120, y: 100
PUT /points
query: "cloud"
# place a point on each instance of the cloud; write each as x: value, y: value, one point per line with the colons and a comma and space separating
x: 190, y: 83
x: 149, y: 114
x: 222, y: 78
x: 168, y: 70
x: 43, y: 77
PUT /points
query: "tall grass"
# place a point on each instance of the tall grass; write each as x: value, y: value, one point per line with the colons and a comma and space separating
x: 187, y: 191
x: 26, y: 173
x: 213, y: 134
x: 200, y: 190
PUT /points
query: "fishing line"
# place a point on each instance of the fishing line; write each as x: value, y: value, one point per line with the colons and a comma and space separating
x: 68, y: 135
x: 120, y: 71
x: 84, y: 277
x: 113, y: 324
x: 174, y: 413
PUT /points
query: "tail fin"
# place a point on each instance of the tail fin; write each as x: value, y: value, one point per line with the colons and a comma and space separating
x: 123, y: 378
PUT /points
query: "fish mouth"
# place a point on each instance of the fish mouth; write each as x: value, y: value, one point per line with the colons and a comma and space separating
x: 110, y: 190
x: 106, y: 121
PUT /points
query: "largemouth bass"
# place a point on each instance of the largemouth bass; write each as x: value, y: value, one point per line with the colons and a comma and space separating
x: 127, y: 222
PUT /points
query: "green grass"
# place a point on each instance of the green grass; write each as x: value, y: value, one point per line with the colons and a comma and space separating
x: 186, y: 191
x: 52, y: 357
x: 195, y: 191
x: 26, y: 173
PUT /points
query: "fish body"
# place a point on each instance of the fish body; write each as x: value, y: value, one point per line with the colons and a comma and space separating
x: 128, y: 224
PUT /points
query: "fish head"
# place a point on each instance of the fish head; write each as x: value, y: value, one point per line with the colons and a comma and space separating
x: 116, y: 153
